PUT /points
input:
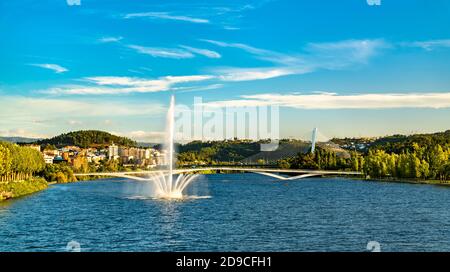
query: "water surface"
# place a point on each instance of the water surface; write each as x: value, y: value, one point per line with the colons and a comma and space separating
x: 245, y: 212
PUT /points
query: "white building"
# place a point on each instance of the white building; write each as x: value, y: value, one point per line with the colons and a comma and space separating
x: 113, y: 152
x: 48, y: 159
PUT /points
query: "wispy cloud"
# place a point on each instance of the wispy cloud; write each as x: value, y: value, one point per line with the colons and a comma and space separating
x: 326, y: 100
x: 314, y: 56
x: 184, y: 52
x: 166, y: 16
x: 54, y: 67
x: 124, y: 85
x: 428, y: 45
x: 344, y: 53
x: 203, y: 52
x: 248, y: 74
x: 171, y: 53
x: 110, y: 39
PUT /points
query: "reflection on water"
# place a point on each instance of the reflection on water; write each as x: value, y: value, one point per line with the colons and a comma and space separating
x: 236, y: 212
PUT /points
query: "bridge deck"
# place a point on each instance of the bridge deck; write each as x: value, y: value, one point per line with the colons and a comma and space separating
x: 301, y: 173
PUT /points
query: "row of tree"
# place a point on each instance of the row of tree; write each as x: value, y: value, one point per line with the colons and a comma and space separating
x: 415, y: 162
x: 322, y: 159
x: 216, y: 151
x: 18, y: 162
x: 420, y: 163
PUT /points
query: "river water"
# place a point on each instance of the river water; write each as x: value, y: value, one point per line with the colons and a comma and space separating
x: 234, y: 212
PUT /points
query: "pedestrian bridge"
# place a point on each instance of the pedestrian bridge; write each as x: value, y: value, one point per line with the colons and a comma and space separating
x: 289, y: 174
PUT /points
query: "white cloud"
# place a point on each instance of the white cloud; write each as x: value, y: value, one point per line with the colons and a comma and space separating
x: 110, y: 39
x: 172, y: 53
x: 428, y: 45
x: 54, y: 67
x: 166, y: 16
x: 245, y: 47
x: 247, y: 74
x: 334, y: 101
x: 203, y: 52
x: 123, y: 85
x: 344, y: 53
x: 315, y: 56
x: 24, y: 108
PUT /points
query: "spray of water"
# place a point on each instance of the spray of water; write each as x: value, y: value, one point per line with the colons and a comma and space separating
x: 167, y: 186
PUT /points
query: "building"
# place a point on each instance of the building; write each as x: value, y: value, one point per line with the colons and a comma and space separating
x: 48, y: 159
x: 113, y: 152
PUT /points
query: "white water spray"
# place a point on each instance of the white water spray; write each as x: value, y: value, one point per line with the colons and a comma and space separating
x: 167, y: 186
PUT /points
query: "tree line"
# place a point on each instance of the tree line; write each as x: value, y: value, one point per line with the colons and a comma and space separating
x: 322, y: 159
x: 415, y: 162
x: 419, y: 162
x: 19, y: 162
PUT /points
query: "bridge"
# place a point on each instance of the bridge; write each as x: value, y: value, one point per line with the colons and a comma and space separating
x: 275, y: 173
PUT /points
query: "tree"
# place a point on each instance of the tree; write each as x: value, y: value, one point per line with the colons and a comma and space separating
x: 284, y: 164
x: 437, y: 159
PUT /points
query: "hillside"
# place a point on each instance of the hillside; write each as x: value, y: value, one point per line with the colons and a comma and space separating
x: 400, y: 143
x: 87, y: 138
x: 395, y: 143
x: 216, y: 151
x: 244, y: 151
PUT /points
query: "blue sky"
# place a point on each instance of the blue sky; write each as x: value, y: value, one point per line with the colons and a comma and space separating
x: 349, y: 68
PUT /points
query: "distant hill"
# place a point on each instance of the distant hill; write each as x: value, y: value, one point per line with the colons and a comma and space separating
x: 290, y: 148
x: 18, y: 140
x: 284, y: 150
x: 87, y: 138
x: 146, y: 145
x: 396, y: 143
x: 247, y: 152
x: 401, y: 143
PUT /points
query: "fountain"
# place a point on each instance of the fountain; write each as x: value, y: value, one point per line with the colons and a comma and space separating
x: 167, y: 185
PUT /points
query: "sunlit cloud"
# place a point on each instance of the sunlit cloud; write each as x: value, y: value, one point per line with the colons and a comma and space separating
x: 166, y: 16
x: 54, y: 67
x: 327, y: 101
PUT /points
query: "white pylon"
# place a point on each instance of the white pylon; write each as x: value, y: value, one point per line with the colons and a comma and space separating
x: 313, y: 140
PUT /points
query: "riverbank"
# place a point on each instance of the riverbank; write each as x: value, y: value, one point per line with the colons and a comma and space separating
x: 411, y: 181
x: 14, y: 189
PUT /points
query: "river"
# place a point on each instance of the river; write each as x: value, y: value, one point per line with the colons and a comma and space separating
x: 235, y: 212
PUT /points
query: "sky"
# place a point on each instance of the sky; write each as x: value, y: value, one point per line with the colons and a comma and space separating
x: 349, y: 68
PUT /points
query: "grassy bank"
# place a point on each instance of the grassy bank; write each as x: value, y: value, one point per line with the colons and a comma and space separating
x: 13, y: 189
x: 412, y: 181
